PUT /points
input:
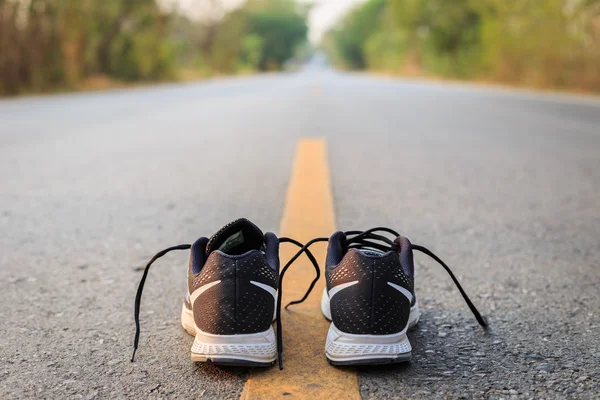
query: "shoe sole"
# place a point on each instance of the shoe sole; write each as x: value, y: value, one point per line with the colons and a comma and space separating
x: 244, y: 350
x: 348, y: 349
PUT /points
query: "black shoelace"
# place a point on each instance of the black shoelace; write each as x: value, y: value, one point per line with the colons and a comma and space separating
x: 354, y: 240
x: 360, y: 240
x: 138, y: 296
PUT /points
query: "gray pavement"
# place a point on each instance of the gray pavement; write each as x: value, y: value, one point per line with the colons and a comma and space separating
x: 503, y: 185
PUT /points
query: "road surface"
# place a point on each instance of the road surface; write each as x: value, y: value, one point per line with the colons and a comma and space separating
x: 503, y: 185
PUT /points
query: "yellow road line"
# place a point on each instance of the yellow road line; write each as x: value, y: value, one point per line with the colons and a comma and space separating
x: 308, y: 213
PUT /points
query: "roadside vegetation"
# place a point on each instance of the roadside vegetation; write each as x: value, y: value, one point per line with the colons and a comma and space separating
x: 538, y: 43
x: 55, y: 45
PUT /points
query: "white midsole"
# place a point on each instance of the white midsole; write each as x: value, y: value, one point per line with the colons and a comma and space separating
x: 254, y: 347
x: 341, y: 346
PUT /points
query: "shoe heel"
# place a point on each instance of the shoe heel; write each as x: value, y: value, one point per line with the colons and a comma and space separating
x: 249, y: 350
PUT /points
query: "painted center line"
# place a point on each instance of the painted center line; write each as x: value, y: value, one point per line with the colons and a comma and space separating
x: 308, y: 213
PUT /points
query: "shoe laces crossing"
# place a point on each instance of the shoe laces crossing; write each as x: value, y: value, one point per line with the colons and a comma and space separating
x: 140, y: 290
x: 371, y: 239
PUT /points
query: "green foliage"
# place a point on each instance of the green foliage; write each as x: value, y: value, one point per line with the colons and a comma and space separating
x: 281, y: 31
x: 536, y: 42
x: 354, y: 32
x: 56, y: 44
x: 53, y: 44
x: 261, y: 35
x: 225, y: 53
x: 252, y: 50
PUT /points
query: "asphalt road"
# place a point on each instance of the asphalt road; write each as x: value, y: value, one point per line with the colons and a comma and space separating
x: 503, y: 185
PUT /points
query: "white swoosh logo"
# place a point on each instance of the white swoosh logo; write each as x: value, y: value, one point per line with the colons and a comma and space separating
x: 343, y: 286
x: 268, y: 288
x: 201, y: 290
x: 405, y: 292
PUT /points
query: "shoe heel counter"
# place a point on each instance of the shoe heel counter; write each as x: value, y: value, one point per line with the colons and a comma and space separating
x: 214, y: 309
x: 371, y: 306
x: 243, y: 300
x: 350, y: 285
x: 392, y: 295
x: 256, y: 284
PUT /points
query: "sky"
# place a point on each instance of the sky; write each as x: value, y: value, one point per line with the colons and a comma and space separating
x: 325, y: 13
x: 322, y: 16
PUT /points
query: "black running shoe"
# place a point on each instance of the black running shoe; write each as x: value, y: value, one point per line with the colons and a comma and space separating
x: 232, y: 299
x: 370, y: 298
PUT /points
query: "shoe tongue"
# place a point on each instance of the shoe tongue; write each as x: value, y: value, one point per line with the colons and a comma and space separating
x: 236, y: 237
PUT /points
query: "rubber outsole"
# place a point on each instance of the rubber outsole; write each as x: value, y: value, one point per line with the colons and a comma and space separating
x: 232, y: 362
x: 374, y: 361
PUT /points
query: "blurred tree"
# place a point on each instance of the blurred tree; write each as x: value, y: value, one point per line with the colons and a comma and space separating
x: 355, y: 30
x: 55, y: 44
x: 262, y: 34
x: 252, y: 50
x: 535, y: 42
x: 281, y: 31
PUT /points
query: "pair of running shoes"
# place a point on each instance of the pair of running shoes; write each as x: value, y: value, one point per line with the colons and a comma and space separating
x: 235, y: 290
